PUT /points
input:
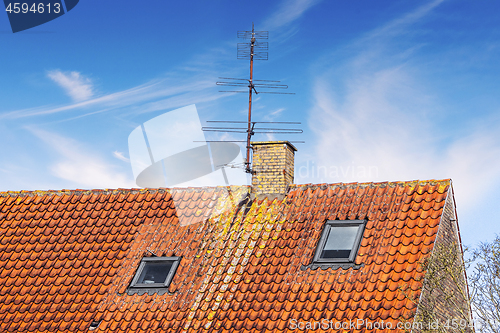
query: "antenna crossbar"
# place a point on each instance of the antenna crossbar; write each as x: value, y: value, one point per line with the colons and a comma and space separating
x: 260, y: 92
x: 257, y: 85
x: 249, y: 34
x: 254, y: 122
x: 260, y: 129
x: 232, y: 78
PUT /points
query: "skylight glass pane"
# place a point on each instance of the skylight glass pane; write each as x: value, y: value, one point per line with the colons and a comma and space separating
x: 155, y: 272
x: 340, y: 242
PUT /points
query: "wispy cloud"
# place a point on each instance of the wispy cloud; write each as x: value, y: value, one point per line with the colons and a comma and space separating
x: 287, y: 12
x: 119, y: 155
x: 178, y: 88
x: 379, y: 47
x: 81, y: 167
x: 77, y: 86
x: 380, y: 120
x: 397, y: 25
x: 191, y: 82
x: 271, y: 116
x: 381, y: 132
x: 155, y: 95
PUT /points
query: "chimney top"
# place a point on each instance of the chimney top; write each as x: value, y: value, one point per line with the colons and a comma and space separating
x: 273, y: 168
x: 256, y: 143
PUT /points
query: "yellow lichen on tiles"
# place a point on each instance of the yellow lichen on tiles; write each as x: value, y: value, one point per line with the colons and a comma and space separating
x: 412, y: 184
x: 210, y: 317
x: 250, y: 246
x: 265, y: 235
x: 443, y: 186
x: 190, y: 316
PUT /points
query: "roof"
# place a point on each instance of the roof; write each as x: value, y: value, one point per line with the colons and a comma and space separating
x: 67, y: 257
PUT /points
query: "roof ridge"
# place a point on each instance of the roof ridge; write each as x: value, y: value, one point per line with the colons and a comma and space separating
x: 446, y: 181
x: 134, y: 190
x: 23, y: 193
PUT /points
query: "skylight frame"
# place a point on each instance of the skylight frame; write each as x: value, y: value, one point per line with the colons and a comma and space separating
x: 175, y: 263
x: 329, y: 225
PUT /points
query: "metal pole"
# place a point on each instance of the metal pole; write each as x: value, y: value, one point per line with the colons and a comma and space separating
x: 250, y: 87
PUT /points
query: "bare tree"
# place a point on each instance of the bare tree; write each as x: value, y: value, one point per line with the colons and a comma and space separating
x: 485, y: 286
x: 449, y: 300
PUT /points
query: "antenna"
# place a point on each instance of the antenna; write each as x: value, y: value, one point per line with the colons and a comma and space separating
x: 255, y: 49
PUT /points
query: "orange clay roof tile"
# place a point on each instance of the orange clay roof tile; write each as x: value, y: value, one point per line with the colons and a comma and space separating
x: 68, y: 257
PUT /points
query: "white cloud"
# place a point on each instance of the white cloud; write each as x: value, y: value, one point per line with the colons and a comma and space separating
x: 388, y: 124
x: 396, y: 26
x: 381, y: 132
x: 271, y: 116
x: 81, y: 167
x: 155, y: 95
x: 191, y: 83
x: 78, y: 87
x: 288, y: 12
x: 119, y: 155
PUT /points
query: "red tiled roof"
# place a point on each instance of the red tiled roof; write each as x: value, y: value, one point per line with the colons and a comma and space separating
x: 68, y: 257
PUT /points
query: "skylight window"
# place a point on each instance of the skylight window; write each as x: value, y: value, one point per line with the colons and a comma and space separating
x: 339, y: 242
x: 155, y: 272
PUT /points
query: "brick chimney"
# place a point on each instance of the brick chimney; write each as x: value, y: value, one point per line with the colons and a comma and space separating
x: 273, y: 166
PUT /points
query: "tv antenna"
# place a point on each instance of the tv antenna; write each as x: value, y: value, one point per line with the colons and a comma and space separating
x: 254, y: 49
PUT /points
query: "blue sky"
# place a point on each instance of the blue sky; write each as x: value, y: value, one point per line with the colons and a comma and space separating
x: 385, y: 90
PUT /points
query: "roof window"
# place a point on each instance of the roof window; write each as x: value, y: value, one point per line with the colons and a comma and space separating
x: 155, y: 272
x: 339, y: 242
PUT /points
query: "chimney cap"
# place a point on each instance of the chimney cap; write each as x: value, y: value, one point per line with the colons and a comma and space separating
x: 257, y: 143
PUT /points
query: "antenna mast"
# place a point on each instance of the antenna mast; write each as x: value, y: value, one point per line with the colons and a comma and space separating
x: 253, y: 50
x: 249, y: 51
x: 250, y: 90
